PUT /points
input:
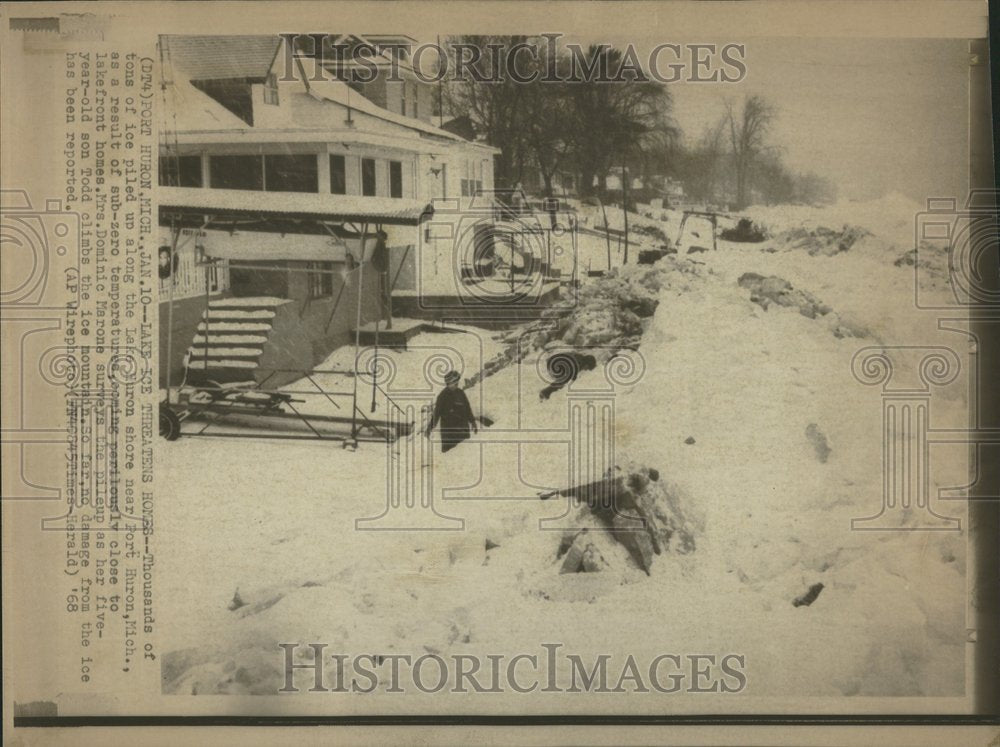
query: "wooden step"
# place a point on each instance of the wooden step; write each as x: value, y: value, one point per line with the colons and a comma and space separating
x: 229, y: 339
x: 200, y: 365
x: 223, y: 352
x: 238, y: 314
x: 234, y: 327
x: 247, y: 302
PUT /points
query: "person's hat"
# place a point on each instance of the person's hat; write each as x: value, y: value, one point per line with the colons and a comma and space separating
x: 451, y: 377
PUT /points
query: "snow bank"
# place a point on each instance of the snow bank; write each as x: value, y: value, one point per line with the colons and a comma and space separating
x: 752, y: 416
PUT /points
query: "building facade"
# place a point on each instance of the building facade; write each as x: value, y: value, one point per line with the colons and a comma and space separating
x: 237, y: 124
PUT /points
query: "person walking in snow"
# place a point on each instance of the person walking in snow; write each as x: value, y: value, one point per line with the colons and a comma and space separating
x: 453, y: 411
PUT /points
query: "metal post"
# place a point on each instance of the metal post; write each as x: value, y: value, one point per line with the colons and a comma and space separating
x: 357, y: 334
x: 207, y: 266
x: 512, y: 240
x: 170, y: 303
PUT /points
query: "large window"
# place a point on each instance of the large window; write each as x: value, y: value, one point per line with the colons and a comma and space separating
x: 236, y: 172
x: 180, y: 171
x: 296, y: 173
x: 338, y: 175
x: 395, y: 179
x: 368, y: 177
x: 279, y: 173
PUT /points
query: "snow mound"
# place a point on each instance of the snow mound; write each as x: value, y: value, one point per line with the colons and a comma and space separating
x: 765, y: 291
x: 882, y: 228
x: 822, y: 240
x: 611, y: 313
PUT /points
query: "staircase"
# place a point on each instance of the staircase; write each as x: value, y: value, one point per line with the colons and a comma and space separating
x: 230, y: 339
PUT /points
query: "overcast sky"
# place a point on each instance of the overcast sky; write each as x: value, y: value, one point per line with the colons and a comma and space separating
x: 873, y: 115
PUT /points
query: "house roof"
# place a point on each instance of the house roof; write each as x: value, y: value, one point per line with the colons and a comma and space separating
x: 339, y: 92
x: 218, y: 57
x: 227, y: 57
x: 294, y: 205
x: 191, y: 109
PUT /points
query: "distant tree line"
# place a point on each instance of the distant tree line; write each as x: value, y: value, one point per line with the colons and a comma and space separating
x: 595, y: 127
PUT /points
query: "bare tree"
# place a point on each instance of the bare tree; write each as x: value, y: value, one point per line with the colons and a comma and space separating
x: 497, y: 108
x: 748, y: 130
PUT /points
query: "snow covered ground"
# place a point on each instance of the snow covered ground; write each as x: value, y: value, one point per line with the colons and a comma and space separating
x: 733, y: 406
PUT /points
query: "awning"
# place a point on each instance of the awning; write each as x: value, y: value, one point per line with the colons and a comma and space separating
x: 322, y: 208
x: 268, y: 247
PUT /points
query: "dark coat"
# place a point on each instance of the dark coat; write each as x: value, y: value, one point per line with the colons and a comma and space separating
x: 453, y: 411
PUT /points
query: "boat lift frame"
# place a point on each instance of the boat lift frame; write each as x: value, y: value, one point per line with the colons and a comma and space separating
x: 215, y: 402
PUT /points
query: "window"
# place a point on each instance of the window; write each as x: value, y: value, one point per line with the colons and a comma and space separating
x: 368, y: 177
x: 180, y: 171
x: 471, y: 187
x: 291, y: 173
x: 271, y: 89
x: 402, y: 96
x: 320, y: 279
x: 395, y: 179
x: 236, y: 172
x: 338, y: 175
x: 416, y: 100
x: 278, y: 173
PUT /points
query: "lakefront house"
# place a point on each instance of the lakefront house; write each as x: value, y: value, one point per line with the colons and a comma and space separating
x: 292, y: 209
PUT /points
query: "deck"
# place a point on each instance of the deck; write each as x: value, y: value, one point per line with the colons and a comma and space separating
x: 402, y: 331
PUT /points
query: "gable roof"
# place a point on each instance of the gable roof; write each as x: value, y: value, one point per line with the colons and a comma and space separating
x: 220, y: 57
x: 191, y: 109
x: 340, y: 93
x: 196, y: 58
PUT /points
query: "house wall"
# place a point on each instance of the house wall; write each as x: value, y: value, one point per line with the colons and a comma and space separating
x: 389, y: 95
x: 245, y: 281
x: 403, y: 267
x: 305, y: 332
x: 353, y: 154
x: 181, y: 325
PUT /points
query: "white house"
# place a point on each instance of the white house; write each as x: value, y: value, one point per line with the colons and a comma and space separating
x: 347, y: 174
